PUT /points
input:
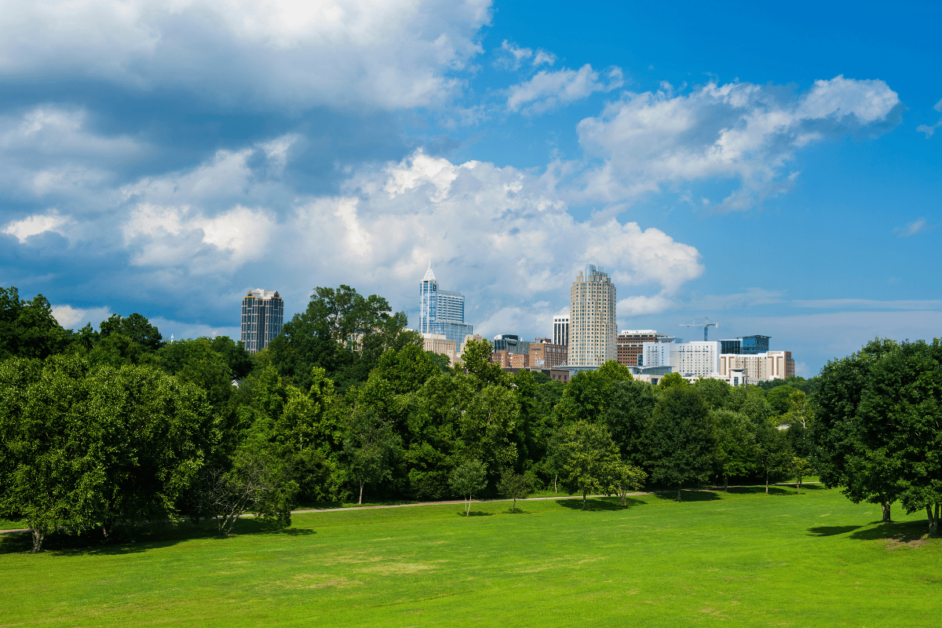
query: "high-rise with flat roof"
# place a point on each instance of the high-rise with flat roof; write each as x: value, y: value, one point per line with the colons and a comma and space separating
x: 441, y: 311
x: 592, y: 319
x: 561, y: 330
x: 746, y: 345
x: 263, y: 314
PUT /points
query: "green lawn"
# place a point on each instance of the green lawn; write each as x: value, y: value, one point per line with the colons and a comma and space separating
x: 743, y: 559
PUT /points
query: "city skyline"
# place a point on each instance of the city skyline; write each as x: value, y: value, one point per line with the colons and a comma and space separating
x: 778, y: 189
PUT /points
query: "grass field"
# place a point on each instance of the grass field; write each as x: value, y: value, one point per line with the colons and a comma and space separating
x: 742, y: 559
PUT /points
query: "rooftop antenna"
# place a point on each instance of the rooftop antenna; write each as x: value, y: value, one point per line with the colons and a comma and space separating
x: 706, y: 324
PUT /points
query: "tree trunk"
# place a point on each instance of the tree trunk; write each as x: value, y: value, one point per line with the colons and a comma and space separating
x: 360, y: 503
x: 678, y: 494
x: 886, y: 511
x: 766, y: 481
x: 467, y: 508
x: 584, y: 497
x: 555, y: 478
x: 38, y: 536
x: 933, y: 522
x: 514, y: 507
x: 798, y: 485
x: 725, y: 482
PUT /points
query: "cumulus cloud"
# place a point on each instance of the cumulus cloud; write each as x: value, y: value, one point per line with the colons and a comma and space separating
x: 35, y: 225
x: 548, y: 89
x: 76, y: 317
x: 503, y: 236
x: 49, y: 150
x: 736, y: 131
x: 374, y: 53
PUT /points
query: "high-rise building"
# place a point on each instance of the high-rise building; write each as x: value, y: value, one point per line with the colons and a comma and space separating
x: 592, y: 319
x: 746, y: 345
x: 263, y: 314
x: 441, y: 311
x: 630, y: 344
x: 561, y: 330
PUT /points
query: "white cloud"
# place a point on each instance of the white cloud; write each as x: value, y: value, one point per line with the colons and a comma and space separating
x: 733, y: 131
x: 930, y: 130
x: 917, y: 226
x: 76, y: 317
x: 513, y: 56
x: 386, y: 54
x: 35, y: 225
x: 548, y: 89
x: 50, y: 150
x: 640, y: 305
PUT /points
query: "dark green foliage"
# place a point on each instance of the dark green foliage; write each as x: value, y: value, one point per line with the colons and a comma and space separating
x: 630, y: 409
x: 588, y: 457
x: 681, y: 439
x: 476, y: 360
x: 135, y: 327
x: 514, y: 486
x: 94, y: 448
x: 807, y: 386
x: 468, y: 479
x: 671, y: 380
x: 778, y: 398
x: 28, y: 328
x: 342, y: 332
x: 716, y: 393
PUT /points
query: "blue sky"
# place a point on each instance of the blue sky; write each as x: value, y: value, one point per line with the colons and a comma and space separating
x: 775, y: 171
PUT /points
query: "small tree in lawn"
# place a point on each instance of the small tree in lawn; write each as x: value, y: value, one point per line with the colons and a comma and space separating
x: 590, y: 458
x: 626, y: 479
x: 800, y: 467
x: 467, y: 479
x: 515, y: 486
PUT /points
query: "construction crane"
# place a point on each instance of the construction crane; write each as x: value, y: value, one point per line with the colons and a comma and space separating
x: 706, y: 324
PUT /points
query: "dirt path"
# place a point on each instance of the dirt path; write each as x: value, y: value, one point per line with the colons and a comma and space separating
x: 307, y: 511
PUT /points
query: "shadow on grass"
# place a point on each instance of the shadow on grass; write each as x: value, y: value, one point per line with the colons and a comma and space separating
x: 476, y: 513
x: 907, y: 532
x: 600, y: 503
x: 139, y: 539
x: 689, y: 495
x: 754, y: 490
x: 831, y: 530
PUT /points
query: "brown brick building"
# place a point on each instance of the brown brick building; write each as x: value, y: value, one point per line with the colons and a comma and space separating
x: 630, y: 343
x: 546, y: 355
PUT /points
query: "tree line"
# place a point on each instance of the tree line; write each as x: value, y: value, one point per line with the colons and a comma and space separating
x: 110, y: 428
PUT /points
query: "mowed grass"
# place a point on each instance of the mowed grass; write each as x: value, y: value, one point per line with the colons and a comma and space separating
x: 737, y: 559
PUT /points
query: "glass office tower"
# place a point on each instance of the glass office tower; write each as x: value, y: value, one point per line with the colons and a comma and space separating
x: 263, y: 314
x: 441, y: 311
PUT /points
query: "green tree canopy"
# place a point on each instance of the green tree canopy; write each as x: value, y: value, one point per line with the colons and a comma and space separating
x: 135, y: 327
x: 27, y: 328
x: 681, y: 439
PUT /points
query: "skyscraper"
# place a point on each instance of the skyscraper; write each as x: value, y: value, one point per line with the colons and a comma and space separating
x: 592, y: 329
x: 263, y: 314
x: 441, y: 311
x: 561, y: 330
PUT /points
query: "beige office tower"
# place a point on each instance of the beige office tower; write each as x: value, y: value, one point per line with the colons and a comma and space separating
x: 592, y: 329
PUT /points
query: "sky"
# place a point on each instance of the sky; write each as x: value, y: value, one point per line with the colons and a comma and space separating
x: 775, y: 171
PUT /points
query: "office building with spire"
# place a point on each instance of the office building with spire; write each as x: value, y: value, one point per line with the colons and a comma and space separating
x: 592, y: 327
x: 263, y: 314
x: 441, y: 312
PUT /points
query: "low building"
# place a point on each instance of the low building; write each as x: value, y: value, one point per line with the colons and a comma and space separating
x: 439, y: 343
x: 690, y: 359
x: 630, y: 345
x: 547, y: 355
x: 762, y: 367
x: 508, y: 360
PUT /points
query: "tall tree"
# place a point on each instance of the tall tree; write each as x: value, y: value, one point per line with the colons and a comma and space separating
x: 735, y: 451
x: 843, y: 457
x: 680, y: 439
x: 135, y: 327
x: 27, y: 328
x: 468, y: 478
x: 371, y: 442
x: 630, y: 408
x: 900, y: 425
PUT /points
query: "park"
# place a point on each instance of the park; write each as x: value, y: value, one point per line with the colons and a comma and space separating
x: 743, y: 558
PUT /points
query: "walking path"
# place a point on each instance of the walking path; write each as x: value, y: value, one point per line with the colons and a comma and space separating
x: 476, y: 501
